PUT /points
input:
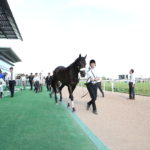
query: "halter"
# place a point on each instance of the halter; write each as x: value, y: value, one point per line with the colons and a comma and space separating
x: 82, y: 69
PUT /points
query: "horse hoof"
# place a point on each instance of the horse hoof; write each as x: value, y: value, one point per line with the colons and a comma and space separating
x: 73, y: 109
x: 68, y: 105
x: 56, y: 103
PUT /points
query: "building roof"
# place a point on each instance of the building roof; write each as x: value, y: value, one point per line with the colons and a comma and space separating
x: 8, y: 26
x: 7, y: 54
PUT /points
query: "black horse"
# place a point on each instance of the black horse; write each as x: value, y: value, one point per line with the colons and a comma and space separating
x: 68, y: 76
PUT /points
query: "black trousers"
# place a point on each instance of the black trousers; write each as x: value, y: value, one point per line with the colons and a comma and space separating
x: 36, y: 86
x: 99, y: 86
x: 92, y: 88
x: 131, y: 91
x: 48, y: 87
x: 40, y: 87
x: 12, y: 87
x: 31, y: 84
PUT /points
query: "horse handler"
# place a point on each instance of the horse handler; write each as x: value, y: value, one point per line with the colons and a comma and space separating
x: 92, y: 79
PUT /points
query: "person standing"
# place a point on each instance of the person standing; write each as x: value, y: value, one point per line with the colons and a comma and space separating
x: 1, y: 74
x: 36, y: 81
x: 41, y: 82
x: 27, y: 79
x: 6, y: 81
x: 131, y: 84
x: 31, y: 80
x: 12, y: 82
x: 48, y: 81
x: 23, y: 81
x: 92, y: 78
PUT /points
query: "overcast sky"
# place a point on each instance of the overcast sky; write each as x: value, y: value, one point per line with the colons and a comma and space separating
x: 116, y: 33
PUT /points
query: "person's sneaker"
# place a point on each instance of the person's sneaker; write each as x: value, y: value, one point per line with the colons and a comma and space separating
x: 95, y: 112
x: 88, y: 107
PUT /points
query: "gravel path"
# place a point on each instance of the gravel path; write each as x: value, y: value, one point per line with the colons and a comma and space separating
x: 121, y: 124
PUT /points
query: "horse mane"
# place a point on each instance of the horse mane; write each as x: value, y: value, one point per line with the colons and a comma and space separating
x: 73, y: 64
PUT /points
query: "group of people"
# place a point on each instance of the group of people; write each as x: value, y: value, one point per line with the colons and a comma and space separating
x: 93, y: 83
x: 8, y: 80
x: 39, y: 80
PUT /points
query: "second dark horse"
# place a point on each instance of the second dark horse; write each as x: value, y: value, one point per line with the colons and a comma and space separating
x: 68, y: 76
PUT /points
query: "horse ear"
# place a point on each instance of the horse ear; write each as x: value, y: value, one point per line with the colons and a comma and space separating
x: 80, y: 56
x: 85, y: 56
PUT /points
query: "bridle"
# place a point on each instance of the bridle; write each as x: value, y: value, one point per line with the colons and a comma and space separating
x: 82, y: 70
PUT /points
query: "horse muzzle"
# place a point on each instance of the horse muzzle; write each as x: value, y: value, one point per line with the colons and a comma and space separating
x: 82, y: 72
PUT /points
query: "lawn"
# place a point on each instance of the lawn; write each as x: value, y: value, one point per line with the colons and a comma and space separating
x: 140, y: 88
x: 122, y: 87
x: 31, y: 121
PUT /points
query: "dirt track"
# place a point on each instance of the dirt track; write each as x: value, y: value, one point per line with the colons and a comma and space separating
x: 121, y: 124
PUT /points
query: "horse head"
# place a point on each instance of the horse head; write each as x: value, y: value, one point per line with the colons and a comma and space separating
x: 81, y: 65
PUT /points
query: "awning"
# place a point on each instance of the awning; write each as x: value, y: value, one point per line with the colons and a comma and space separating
x: 8, y: 26
x: 9, y: 55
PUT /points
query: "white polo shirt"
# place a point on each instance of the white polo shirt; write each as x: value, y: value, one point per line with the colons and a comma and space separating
x: 23, y: 78
x: 92, y: 74
x: 13, y: 77
x: 132, y: 78
x: 36, y: 78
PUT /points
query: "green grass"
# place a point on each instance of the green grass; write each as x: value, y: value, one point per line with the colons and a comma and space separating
x: 32, y: 121
x: 122, y: 87
x: 140, y: 88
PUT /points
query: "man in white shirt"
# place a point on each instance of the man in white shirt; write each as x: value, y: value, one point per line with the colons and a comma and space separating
x: 23, y: 81
x: 92, y: 78
x: 12, y: 82
x: 7, y: 81
x: 41, y: 77
x: 131, y: 84
x: 36, y: 81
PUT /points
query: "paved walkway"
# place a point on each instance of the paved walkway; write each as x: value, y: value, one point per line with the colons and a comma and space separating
x: 121, y: 124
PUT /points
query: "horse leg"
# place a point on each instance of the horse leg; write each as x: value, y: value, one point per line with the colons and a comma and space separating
x: 73, y: 88
x: 60, y: 88
x: 55, y: 91
x: 71, y: 97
